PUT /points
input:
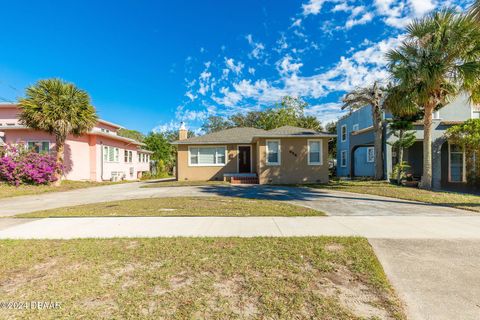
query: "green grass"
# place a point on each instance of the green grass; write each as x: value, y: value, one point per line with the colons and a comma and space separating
x: 180, y: 206
x: 26, y: 190
x: 184, y: 184
x: 450, y: 199
x: 202, y: 278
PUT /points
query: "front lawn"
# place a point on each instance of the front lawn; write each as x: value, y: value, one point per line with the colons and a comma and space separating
x: 199, y: 278
x: 180, y: 206
x: 379, y: 188
x: 26, y: 190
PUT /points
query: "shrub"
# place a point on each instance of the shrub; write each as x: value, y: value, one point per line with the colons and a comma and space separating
x: 18, y: 166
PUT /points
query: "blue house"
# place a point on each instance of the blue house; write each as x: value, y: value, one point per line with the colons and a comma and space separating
x: 356, y: 153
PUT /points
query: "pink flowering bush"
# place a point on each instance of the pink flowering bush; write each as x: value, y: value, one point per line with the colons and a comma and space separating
x: 18, y: 166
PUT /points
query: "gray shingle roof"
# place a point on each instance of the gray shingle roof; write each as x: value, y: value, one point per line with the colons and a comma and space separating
x: 233, y: 135
x: 246, y: 135
x: 293, y: 131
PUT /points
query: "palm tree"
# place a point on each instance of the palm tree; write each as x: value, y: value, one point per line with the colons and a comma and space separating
x: 59, y: 108
x: 474, y: 10
x: 439, y: 59
x: 372, y: 95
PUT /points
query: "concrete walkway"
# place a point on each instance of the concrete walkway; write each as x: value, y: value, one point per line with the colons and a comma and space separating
x: 331, y: 202
x: 379, y: 227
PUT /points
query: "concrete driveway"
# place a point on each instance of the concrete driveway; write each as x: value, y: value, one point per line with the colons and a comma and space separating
x: 331, y: 202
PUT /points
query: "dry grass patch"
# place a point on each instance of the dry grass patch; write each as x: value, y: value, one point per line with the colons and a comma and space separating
x: 379, y: 188
x: 67, y: 185
x: 179, y: 278
x: 180, y: 206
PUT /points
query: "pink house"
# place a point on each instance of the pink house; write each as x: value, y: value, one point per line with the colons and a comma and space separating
x: 98, y: 155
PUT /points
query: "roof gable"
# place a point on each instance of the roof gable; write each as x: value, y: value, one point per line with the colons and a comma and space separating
x: 233, y: 135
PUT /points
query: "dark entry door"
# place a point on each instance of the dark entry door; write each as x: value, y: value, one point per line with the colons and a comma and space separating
x: 244, y: 159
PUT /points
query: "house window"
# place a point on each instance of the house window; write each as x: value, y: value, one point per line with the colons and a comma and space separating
x: 436, y: 114
x: 207, y: 156
x: 343, y: 158
x: 39, y: 146
x: 128, y: 156
x: 344, y: 133
x: 355, y: 127
x: 273, y: 152
x: 456, y: 163
x: 476, y: 115
x: 370, y: 154
x: 110, y: 154
x: 315, y: 152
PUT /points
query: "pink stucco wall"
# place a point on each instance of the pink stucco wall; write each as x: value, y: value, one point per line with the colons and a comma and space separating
x: 83, y: 155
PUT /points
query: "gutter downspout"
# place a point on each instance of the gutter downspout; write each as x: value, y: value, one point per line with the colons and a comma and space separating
x: 101, y: 161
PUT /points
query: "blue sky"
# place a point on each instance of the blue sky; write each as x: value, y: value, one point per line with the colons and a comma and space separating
x: 150, y: 64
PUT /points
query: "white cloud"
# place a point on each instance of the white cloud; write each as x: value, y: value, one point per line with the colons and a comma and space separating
x: 367, y: 17
x: 326, y: 112
x: 287, y: 65
x: 236, y: 68
x: 251, y: 70
x: 205, y: 75
x: 296, y: 23
x: 312, y: 7
x: 398, y: 13
x: 257, y: 48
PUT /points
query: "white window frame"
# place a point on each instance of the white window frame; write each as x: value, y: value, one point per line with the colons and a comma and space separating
x: 279, y: 162
x: 342, y: 153
x: 320, y: 163
x: 129, y: 156
x: 368, y: 158
x: 238, y: 157
x: 207, y: 165
x: 355, y: 127
x: 39, y: 141
x: 436, y: 115
x: 341, y: 133
x: 116, y: 154
x: 464, y: 173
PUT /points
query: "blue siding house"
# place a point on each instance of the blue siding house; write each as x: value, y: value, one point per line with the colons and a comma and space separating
x: 348, y: 127
x: 356, y: 154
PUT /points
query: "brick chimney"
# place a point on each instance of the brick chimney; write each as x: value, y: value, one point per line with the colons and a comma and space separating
x: 182, y: 132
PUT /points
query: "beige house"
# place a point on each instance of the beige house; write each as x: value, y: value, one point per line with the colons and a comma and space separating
x: 283, y: 155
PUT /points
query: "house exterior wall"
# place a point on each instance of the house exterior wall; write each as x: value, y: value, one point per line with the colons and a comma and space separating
x: 363, y: 118
x: 205, y: 173
x: 83, y: 155
x: 293, y: 167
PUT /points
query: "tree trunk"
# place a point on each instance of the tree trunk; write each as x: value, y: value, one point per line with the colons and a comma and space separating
x: 60, y: 148
x: 426, y: 182
x: 400, y: 158
x: 378, y: 130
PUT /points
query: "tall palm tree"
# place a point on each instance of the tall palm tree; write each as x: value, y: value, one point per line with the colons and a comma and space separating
x: 373, y: 96
x: 474, y: 10
x: 439, y: 59
x: 59, y: 108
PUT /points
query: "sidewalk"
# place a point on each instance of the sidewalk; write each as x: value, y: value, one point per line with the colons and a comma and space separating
x: 372, y: 227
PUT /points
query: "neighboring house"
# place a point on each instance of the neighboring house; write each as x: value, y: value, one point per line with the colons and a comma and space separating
x: 98, y: 155
x: 356, y: 155
x: 283, y: 155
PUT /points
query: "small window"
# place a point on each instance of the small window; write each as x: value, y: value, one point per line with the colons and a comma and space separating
x: 128, y: 157
x: 355, y: 127
x: 436, y: 114
x: 457, y: 163
x: 273, y: 152
x: 344, y: 133
x: 343, y: 158
x: 205, y: 156
x: 315, y: 152
x: 39, y: 146
x: 370, y: 154
x: 476, y: 115
x: 111, y: 154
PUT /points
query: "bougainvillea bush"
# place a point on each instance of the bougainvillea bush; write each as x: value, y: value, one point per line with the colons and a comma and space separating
x: 19, y: 166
